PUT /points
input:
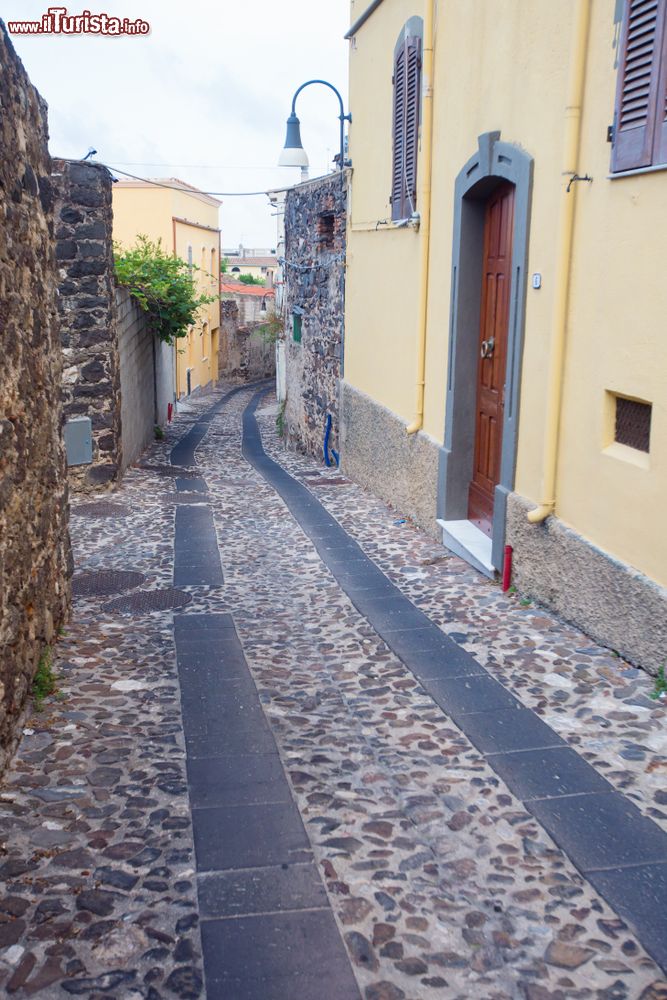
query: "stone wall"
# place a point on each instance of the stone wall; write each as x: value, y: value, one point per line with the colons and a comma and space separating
x: 315, y: 228
x: 245, y: 353
x: 615, y: 604
x: 87, y: 309
x: 147, y: 377
x: 137, y: 352
x: 35, y: 557
x: 377, y: 452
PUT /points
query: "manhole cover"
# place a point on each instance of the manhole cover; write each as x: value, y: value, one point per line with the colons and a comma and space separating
x: 101, y: 509
x: 92, y: 583
x: 170, y: 470
x: 144, y: 601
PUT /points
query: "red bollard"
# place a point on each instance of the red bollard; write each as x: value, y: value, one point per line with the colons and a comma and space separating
x: 507, y: 569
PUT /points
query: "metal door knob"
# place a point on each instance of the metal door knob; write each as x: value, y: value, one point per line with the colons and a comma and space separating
x: 487, y: 347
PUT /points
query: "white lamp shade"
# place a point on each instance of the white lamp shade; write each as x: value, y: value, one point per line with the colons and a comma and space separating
x: 293, y: 156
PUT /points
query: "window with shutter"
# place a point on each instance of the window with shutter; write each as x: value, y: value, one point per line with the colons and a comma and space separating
x: 407, y: 96
x: 640, y: 128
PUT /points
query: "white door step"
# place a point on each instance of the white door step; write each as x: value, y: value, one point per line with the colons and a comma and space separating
x: 467, y: 541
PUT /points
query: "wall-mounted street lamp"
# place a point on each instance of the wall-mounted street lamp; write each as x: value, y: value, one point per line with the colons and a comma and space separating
x: 293, y: 154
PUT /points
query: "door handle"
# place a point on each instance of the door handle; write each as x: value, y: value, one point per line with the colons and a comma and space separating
x: 487, y: 347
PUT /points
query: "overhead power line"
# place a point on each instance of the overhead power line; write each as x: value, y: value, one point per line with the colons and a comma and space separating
x: 175, y: 187
x: 192, y: 166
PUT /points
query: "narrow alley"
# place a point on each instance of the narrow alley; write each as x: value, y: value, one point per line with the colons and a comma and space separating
x: 300, y: 750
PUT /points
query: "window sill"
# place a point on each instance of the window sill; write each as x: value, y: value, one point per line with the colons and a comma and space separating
x: 637, y: 170
x: 632, y: 456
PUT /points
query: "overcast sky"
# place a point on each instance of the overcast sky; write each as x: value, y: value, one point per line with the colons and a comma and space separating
x: 203, y: 97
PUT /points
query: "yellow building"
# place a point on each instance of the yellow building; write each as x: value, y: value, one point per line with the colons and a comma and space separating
x: 185, y: 220
x: 505, y: 349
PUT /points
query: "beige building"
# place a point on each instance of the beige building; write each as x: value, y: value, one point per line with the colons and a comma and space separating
x: 260, y: 264
x: 186, y: 221
x: 511, y: 387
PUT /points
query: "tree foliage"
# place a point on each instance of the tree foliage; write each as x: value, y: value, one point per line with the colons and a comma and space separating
x: 250, y: 279
x: 162, y: 285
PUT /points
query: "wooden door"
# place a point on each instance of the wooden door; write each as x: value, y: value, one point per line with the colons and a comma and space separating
x: 492, y: 355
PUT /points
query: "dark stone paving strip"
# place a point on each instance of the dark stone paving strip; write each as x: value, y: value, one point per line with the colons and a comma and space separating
x: 611, y: 843
x: 266, y: 920
x: 196, y: 554
x: 183, y: 453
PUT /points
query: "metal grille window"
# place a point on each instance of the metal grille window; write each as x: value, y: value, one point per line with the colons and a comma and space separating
x: 633, y: 423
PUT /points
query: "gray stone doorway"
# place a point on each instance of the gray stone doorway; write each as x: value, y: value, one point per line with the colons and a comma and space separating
x: 494, y: 162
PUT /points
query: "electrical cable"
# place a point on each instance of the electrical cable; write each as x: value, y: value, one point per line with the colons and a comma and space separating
x: 175, y: 187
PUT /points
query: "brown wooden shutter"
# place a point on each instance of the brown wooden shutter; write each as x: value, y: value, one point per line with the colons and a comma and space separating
x: 639, y: 77
x: 660, y: 142
x: 407, y: 92
x: 413, y: 73
x: 397, y: 185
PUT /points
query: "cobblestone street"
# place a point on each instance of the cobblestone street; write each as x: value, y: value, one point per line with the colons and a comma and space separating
x: 248, y: 788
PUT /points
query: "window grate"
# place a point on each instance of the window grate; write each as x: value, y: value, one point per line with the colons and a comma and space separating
x: 633, y: 423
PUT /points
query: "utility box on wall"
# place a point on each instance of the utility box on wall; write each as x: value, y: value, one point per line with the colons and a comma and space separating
x: 78, y: 435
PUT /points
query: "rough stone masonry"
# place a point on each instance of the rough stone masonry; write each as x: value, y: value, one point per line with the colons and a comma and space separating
x: 87, y: 307
x: 35, y: 551
x: 315, y: 220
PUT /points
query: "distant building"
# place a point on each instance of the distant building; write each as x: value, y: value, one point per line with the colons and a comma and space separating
x: 258, y: 263
x: 247, y: 330
x: 185, y: 220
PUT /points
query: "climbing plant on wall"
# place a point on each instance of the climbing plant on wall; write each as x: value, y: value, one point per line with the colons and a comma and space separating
x: 162, y: 285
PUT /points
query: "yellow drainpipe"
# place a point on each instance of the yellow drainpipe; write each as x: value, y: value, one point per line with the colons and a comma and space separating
x: 424, y: 205
x: 575, y: 96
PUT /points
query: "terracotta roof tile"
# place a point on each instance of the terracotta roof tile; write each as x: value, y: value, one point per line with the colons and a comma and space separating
x: 238, y: 288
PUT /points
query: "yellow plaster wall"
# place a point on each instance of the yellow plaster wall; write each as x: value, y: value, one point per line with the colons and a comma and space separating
x: 151, y: 210
x: 140, y: 211
x: 617, y: 339
x: 498, y: 69
x: 382, y: 263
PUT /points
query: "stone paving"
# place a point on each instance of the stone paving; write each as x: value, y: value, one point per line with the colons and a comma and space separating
x: 441, y: 883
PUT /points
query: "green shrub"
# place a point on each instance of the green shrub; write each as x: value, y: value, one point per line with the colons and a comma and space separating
x: 162, y: 285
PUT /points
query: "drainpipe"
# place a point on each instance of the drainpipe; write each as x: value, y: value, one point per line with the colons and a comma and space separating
x: 424, y: 204
x: 571, y: 144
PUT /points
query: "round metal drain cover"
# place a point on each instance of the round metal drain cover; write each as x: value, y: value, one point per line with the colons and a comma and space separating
x: 103, y: 582
x: 101, y: 509
x: 142, y: 602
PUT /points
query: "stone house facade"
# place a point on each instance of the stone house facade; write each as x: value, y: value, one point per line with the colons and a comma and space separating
x: 314, y: 268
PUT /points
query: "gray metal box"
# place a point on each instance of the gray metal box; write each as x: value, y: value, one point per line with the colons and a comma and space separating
x: 78, y: 435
